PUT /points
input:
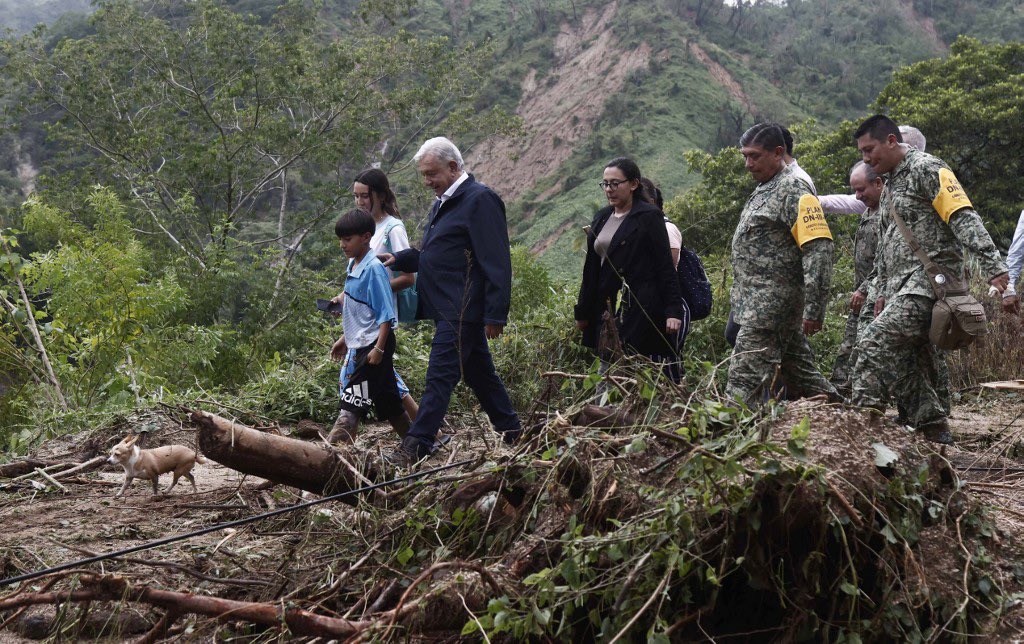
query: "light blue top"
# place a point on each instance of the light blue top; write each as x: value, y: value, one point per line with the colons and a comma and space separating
x: 368, y: 302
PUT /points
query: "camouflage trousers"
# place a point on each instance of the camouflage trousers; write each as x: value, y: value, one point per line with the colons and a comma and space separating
x: 842, y: 368
x: 931, y: 359
x: 894, y: 358
x: 763, y: 355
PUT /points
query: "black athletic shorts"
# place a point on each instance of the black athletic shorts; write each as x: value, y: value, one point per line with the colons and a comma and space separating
x: 373, y: 385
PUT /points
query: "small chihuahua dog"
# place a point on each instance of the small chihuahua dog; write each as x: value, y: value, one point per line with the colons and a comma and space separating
x: 149, y: 464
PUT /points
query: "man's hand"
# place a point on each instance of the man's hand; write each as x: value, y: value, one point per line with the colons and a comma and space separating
x: 1011, y: 305
x: 493, y: 330
x: 374, y: 357
x: 811, y: 327
x: 1000, y: 282
x: 386, y: 258
x: 339, y: 299
x: 339, y: 349
x: 672, y: 325
x: 857, y: 301
x: 582, y: 324
x: 879, y: 306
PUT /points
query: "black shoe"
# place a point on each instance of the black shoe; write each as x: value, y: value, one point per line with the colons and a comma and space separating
x: 511, y: 436
x: 411, y: 451
x: 439, y: 442
x: 937, y: 431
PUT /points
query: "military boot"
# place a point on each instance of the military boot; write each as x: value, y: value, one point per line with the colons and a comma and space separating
x: 937, y: 431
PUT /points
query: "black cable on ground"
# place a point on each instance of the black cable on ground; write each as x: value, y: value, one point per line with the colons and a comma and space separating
x: 229, y: 524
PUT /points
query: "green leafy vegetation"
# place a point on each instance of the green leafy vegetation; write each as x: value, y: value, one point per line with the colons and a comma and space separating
x: 187, y: 163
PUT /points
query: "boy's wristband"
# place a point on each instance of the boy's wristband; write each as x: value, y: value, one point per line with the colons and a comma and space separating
x: 378, y: 349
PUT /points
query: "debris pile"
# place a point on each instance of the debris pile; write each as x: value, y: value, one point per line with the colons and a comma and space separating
x: 666, y: 515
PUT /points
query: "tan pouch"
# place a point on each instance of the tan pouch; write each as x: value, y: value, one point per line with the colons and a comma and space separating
x: 957, y: 317
x: 957, y: 321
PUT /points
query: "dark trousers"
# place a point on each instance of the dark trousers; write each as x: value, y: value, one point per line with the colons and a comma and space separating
x: 459, y: 352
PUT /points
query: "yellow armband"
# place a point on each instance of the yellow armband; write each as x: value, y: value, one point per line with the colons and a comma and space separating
x: 810, y: 221
x: 951, y: 195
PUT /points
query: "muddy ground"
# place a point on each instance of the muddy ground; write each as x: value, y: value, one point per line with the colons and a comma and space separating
x: 48, y: 526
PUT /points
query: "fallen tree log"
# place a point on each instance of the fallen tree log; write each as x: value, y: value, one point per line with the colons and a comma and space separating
x: 307, y: 466
x: 116, y: 589
x: 609, y: 417
x: 25, y: 466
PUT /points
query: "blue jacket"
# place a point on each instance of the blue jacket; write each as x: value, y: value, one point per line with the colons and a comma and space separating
x: 463, y: 266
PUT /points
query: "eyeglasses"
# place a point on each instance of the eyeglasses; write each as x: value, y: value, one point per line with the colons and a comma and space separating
x: 611, y: 185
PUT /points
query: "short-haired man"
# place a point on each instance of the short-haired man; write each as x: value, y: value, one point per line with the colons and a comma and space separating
x: 782, y: 260
x: 464, y: 284
x: 732, y: 328
x: 850, y: 204
x: 931, y: 356
x: 927, y: 195
x: 867, y: 187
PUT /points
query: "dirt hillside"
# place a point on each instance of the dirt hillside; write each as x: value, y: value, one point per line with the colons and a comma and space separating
x: 559, y: 110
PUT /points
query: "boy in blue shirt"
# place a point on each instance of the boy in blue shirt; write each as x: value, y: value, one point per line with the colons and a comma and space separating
x: 367, y: 344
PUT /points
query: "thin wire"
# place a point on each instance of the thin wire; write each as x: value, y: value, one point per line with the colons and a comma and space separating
x: 229, y: 524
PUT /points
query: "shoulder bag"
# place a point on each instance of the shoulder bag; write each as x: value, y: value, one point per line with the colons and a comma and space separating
x: 958, y: 319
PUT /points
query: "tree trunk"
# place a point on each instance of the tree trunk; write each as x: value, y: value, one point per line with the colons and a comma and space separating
x: 19, y: 468
x: 40, y: 347
x: 301, y: 464
x: 116, y: 589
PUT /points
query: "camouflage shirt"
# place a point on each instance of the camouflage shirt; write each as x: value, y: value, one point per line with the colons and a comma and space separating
x: 864, y: 245
x: 781, y: 255
x: 928, y: 196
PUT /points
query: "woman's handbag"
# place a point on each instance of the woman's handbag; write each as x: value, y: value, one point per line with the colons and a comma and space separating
x: 958, y: 319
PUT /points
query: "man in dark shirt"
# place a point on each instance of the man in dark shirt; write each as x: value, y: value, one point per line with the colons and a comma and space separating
x: 464, y: 283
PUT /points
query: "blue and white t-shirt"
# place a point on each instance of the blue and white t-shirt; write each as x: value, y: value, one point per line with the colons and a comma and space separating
x: 368, y: 302
x: 390, y: 237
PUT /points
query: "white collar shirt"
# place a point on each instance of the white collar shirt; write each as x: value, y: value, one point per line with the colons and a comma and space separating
x: 452, y: 188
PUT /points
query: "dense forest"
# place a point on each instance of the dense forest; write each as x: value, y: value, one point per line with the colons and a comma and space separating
x: 170, y: 173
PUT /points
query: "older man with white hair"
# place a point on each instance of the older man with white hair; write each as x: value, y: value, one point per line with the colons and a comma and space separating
x: 464, y: 284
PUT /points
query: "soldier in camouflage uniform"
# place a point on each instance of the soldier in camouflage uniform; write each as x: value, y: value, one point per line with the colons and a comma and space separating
x: 868, y: 187
x: 782, y: 261
x: 927, y: 195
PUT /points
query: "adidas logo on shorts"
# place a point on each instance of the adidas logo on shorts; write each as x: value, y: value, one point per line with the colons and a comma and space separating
x: 357, y: 395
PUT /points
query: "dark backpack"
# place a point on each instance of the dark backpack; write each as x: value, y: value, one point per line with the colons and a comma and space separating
x: 694, y: 284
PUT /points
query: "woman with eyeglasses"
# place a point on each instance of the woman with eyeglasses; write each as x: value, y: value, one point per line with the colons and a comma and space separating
x: 628, y: 272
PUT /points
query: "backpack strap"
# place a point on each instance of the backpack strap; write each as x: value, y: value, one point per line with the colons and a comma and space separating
x: 387, y: 235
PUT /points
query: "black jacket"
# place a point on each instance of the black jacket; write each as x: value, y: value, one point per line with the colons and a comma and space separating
x: 639, y: 256
x: 463, y: 266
